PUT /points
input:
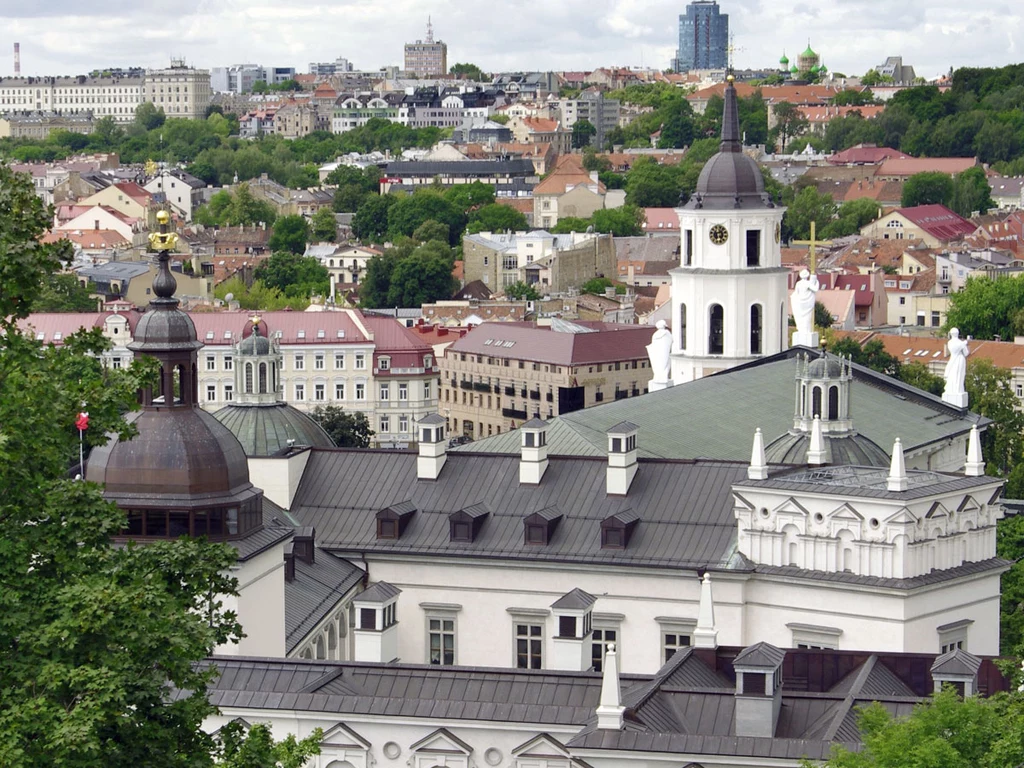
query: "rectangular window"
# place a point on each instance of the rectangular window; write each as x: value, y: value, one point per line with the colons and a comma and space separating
x: 529, y: 646
x: 319, y: 392
x: 211, y: 392
x: 211, y: 363
x: 935, y: 319
x: 753, y: 247
x: 672, y: 642
x: 229, y: 393
x: 300, y: 362
x: 567, y: 626
x: 318, y: 362
x: 300, y: 392
x: 903, y: 300
x: 228, y: 364
x: 385, y: 392
x: 403, y: 391
x: 360, y: 391
x: 367, y: 618
x: 403, y: 424
x: 339, y: 391
x: 688, y: 247
x: 384, y: 364
x: 360, y: 362
x: 599, y: 647
x: 385, y: 424
x: 115, y: 362
x: 339, y: 361
x: 441, y: 641
x: 426, y: 390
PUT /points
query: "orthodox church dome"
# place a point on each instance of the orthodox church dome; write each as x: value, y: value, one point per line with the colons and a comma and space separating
x: 784, y: 61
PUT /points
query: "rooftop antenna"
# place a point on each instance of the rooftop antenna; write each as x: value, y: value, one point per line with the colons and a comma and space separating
x: 430, y: 31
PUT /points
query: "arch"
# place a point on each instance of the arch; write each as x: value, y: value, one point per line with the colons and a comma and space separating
x: 833, y: 402
x: 263, y: 378
x: 755, y: 329
x: 273, y: 377
x: 716, y: 330
x: 306, y: 654
x: 846, y: 559
x: 321, y: 652
x: 340, y: 764
x: 248, y: 378
x: 332, y: 640
x: 899, y: 552
x: 791, y: 546
x: 815, y: 402
x: 682, y: 326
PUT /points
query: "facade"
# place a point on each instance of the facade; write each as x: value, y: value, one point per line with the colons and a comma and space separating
x: 427, y: 58
x: 115, y: 97
x: 499, y: 375
x: 180, y: 190
x: 240, y: 78
x: 179, y: 90
x: 553, y: 263
x: 339, y: 66
x: 346, y: 264
x: 569, y: 190
x: 355, y: 112
x: 729, y: 295
x: 932, y: 225
x: 39, y: 125
x: 295, y: 119
x: 703, y: 37
x: 509, y: 177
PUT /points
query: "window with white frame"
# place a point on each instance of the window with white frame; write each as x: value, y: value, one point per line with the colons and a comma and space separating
x: 953, y: 636
x: 403, y: 424
x: 384, y: 363
x: 115, y: 362
x: 599, y: 646
x: 318, y: 362
x: 300, y: 392
x: 229, y: 393
x: 441, y: 640
x: 360, y: 391
x: 385, y: 424
x: 360, y: 362
x: 211, y: 392
x: 529, y: 639
x: 339, y: 390
x: 814, y: 636
x: 676, y: 634
x: 426, y: 390
x: 403, y: 391
x: 211, y: 363
x: 339, y: 361
x: 300, y: 362
x: 319, y: 392
x: 228, y: 363
x: 385, y: 391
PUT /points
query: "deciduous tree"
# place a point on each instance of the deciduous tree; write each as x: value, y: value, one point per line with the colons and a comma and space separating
x: 926, y: 188
x: 291, y: 233
x: 323, y: 226
x: 347, y: 430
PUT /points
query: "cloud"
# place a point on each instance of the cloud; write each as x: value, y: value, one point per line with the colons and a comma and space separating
x: 64, y: 37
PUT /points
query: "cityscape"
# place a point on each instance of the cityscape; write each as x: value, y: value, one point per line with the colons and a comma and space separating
x: 647, y: 402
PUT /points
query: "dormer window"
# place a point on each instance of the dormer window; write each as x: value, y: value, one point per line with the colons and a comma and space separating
x: 536, y: 534
x: 387, y: 529
x: 617, y: 530
x: 465, y: 524
x: 540, y: 526
x: 384, y: 363
x: 392, y: 521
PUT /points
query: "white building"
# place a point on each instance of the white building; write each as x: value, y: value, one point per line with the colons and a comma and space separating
x: 115, y: 97
x: 179, y: 90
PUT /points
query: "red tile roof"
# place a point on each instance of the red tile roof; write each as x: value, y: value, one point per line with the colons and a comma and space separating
x: 660, y: 219
x: 88, y: 238
x: 522, y: 341
x: 540, y: 125
x: 938, y: 221
x: 908, y: 166
x: 57, y: 326
x: 568, y: 173
x: 823, y: 113
x: 134, y: 191
x: 221, y: 328
x: 865, y: 154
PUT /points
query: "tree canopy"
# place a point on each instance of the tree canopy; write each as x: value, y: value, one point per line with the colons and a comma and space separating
x: 347, y: 430
x: 291, y: 233
x: 988, y: 307
x: 409, y: 275
x: 294, y: 275
x: 233, y: 208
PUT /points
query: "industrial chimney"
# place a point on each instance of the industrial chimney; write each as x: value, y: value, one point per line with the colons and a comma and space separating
x: 17, y: 59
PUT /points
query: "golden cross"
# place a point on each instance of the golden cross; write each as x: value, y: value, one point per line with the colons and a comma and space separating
x: 811, y: 246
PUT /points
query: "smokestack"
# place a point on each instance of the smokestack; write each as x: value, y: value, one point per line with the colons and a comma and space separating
x: 17, y: 59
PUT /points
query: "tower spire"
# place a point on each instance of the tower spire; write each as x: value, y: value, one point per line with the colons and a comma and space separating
x: 730, y: 120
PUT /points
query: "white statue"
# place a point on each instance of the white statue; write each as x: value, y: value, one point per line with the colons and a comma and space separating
x: 660, y: 351
x: 954, y: 392
x: 802, y: 303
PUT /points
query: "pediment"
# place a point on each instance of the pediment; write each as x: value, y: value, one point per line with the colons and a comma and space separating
x: 541, y: 746
x: 937, y: 510
x: 969, y: 504
x: 791, y: 507
x: 846, y: 512
x: 742, y: 502
x: 343, y: 737
x: 442, y: 742
x: 902, y: 517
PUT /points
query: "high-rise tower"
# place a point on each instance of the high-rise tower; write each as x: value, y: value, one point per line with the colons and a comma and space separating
x: 703, y: 37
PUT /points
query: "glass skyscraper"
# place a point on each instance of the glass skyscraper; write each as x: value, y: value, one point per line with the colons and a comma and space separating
x: 703, y: 37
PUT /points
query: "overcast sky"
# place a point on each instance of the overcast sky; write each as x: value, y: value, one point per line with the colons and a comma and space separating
x: 61, y: 37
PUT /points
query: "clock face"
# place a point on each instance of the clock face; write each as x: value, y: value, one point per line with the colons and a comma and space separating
x: 718, y: 234
x: 778, y: 232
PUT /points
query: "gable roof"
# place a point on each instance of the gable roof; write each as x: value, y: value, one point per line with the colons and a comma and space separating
x: 524, y: 341
x: 938, y: 221
x: 568, y: 173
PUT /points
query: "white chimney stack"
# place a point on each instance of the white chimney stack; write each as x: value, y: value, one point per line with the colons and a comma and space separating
x: 758, y: 469
x: 622, y: 464
x: 533, y: 461
x: 610, y: 710
x: 432, y: 445
x: 705, y: 635
x: 975, y: 466
x: 898, y: 480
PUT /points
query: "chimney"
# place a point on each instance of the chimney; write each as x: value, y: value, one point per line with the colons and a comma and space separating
x: 959, y: 669
x: 975, y: 466
x: 571, y: 645
x: 304, y: 545
x: 610, y: 710
x: 816, y: 450
x: 534, y: 458
x: 289, y: 562
x: 609, y: 292
x: 622, y: 464
x: 758, y: 469
x: 758, y: 689
x: 705, y: 635
x: 594, y: 177
x: 433, y: 453
x: 898, y: 480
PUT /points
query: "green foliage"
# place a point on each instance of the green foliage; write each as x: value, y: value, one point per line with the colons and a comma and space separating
x: 944, y: 732
x: 1010, y: 545
x: 258, y: 296
x: 991, y: 394
x: 808, y: 205
x: 522, y: 292
x: 822, y: 317
x: 918, y: 375
x: 291, y: 233
x: 347, y: 430
x: 850, y: 217
x: 583, y: 132
x: 496, y: 218
x: 370, y: 224
x: 598, y: 285
x: 408, y: 212
x: 927, y: 188
x: 409, y: 275
x: 649, y: 185
x: 323, y: 226
x: 469, y: 196
x: 257, y: 748
x: 789, y: 123
x: 148, y: 116
x: 232, y: 209
x: 294, y: 275
x: 62, y: 292
x: 985, y: 308
x: 625, y: 221
x: 971, y: 192
x: 874, y: 77
x: 872, y: 355
x: 854, y: 98
x: 469, y: 72
x: 94, y: 635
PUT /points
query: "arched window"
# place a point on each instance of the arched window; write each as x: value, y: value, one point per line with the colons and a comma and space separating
x: 833, y: 402
x: 332, y: 640
x: 248, y: 378
x: 755, y: 329
x: 263, y: 378
x: 273, y: 377
x: 816, y: 402
x: 682, y: 326
x: 320, y: 652
x: 716, y: 331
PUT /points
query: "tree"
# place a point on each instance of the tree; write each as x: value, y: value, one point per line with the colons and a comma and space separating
x: 583, y: 132
x: 496, y: 218
x: 235, y: 209
x: 347, y: 430
x: 95, y: 635
x: 822, y: 317
x: 851, y: 217
x: 63, y: 292
x: 291, y: 233
x: 423, y: 277
x: 990, y: 393
x: 624, y: 221
x: 789, y: 123
x: 522, y: 292
x: 148, y: 116
x: 408, y: 212
x: 469, y: 196
x: 598, y: 285
x: 927, y: 188
x: 946, y: 731
x: 986, y: 308
x: 809, y: 205
x: 650, y: 185
x: 1010, y: 545
x: 918, y: 375
x: 971, y: 193
x: 469, y: 72
x: 431, y: 230
x: 257, y: 749
x: 323, y: 226
x: 294, y: 275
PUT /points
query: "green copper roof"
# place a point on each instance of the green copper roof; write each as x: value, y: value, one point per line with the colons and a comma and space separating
x: 822, y: 69
x: 809, y: 51
x: 715, y: 417
x: 784, y: 59
x: 794, y: 69
x: 263, y: 430
x: 815, y: 69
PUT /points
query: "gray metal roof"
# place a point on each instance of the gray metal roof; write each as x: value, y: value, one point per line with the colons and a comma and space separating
x: 956, y: 662
x: 577, y: 600
x: 316, y: 591
x: 932, y: 577
x: 263, y: 430
x: 869, y: 482
x: 686, y: 508
x: 715, y: 417
x: 380, y: 592
x: 515, y: 166
x: 760, y: 655
x: 115, y: 270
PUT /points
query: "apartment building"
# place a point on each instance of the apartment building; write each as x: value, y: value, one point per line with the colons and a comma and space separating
x: 427, y: 58
x: 115, y: 97
x: 179, y: 90
x: 39, y: 125
x: 501, y: 374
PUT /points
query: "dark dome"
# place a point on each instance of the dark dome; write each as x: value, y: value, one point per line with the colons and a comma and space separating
x: 181, y: 457
x: 254, y: 345
x: 825, y: 366
x: 850, y: 450
x: 169, y: 330
x: 730, y: 174
x: 263, y: 430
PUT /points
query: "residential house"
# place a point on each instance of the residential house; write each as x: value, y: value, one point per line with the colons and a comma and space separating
x: 1007, y: 192
x: 346, y: 264
x: 841, y: 304
x: 904, y: 291
x: 132, y: 282
x: 646, y: 261
x: 537, y: 130
x: 92, y: 246
x: 568, y: 191
x: 290, y: 202
x: 933, y: 225
x: 865, y: 154
x: 467, y: 312
x: 661, y: 222
x: 128, y: 198
x: 293, y: 119
x: 509, y: 177
x: 609, y: 307
x: 39, y: 125
x: 96, y: 217
x: 818, y: 116
x: 593, y: 107
x: 902, y: 168
x: 870, y: 302
x: 182, y: 191
x: 356, y: 111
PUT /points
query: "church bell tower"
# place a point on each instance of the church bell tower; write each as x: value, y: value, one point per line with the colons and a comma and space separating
x: 729, y: 292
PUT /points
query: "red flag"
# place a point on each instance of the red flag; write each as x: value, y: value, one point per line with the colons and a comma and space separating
x: 82, y: 422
